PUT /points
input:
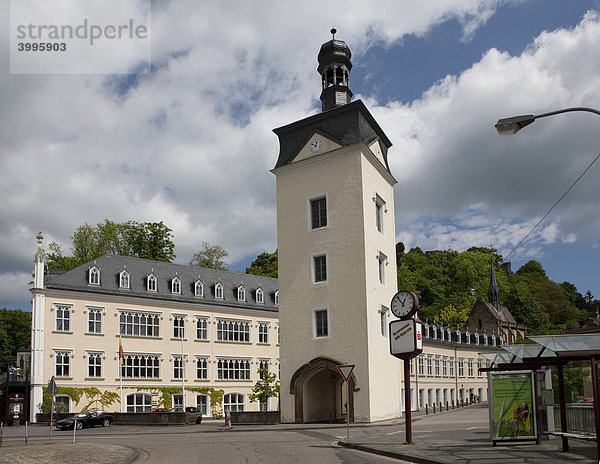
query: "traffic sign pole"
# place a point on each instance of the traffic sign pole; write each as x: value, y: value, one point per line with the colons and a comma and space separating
x: 407, y: 405
x: 346, y: 371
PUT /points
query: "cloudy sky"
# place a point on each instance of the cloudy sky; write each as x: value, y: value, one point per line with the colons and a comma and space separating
x: 191, y: 143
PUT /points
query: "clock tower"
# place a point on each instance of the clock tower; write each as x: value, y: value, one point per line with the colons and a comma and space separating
x: 337, y: 260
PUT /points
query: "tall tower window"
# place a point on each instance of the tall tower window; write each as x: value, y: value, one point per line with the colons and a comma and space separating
x: 319, y: 268
x: 382, y: 263
x: 321, y: 323
x: 379, y: 210
x: 318, y: 213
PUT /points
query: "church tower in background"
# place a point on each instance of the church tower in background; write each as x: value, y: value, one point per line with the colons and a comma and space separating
x: 337, y: 260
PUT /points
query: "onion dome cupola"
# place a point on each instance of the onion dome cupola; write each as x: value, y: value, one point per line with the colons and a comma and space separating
x: 334, y: 67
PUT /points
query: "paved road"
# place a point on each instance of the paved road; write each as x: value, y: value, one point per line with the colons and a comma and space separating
x: 205, y: 443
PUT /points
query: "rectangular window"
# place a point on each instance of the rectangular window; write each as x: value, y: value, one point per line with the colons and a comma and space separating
x: 263, y: 364
x: 94, y: 320
x: 94, y: 365
x: 263, y: 332
x: 470, y: 371
x: 63, y: 318
x: 429, y: 365
x: 178, y: 327
x: 202, y: 404
x: 233, y: 331
x: 381, y: 263
x: 318, y: 213
x: 421, y: 365
x: 319, y: 268
x: 177, y: 400
x: 233, y: 369
x: 451, y: 365
x: 379, y: 210
x: 479, y: 367
x: 461, y: 367
x: 139, y: 324
x: 437, y: 366
x: 139, y: 366
x: 411, y: 364
x: 178, y: 367
x: 202, y: 328
x: 201, y: 369
x: 63, y: 363
x: 444, y: 367
x: 321, y: 323
x: 383, y: 314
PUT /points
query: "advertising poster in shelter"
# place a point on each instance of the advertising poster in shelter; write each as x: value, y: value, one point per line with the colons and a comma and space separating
x: 512, y: 412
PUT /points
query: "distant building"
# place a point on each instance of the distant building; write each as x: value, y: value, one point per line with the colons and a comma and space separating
x: 492, y: 318
x: 590, y: 325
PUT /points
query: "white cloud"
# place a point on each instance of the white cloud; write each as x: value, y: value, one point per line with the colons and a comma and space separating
x: 192, y: 146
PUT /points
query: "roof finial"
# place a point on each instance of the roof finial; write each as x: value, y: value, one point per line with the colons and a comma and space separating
x: 333, y: 31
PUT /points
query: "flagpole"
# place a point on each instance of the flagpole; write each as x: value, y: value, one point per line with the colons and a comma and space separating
x: 121, y: 370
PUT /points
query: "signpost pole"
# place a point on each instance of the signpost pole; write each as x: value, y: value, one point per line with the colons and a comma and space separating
x: 347, y: 409
x: 407, y: 405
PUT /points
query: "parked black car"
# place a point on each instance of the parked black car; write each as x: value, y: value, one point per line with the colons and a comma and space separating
x: 193, y: 414
x: 86, y: 419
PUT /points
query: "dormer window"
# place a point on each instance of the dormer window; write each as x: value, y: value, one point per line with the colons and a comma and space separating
x: 260, y: 296
x: 199, y: 288
x: 277, y: 298
x: 241, y: 293
x: 176, y: 285
x: 219, y: 290
x: 94, y: 276
x: 124, y: 279
x: 151, y: 282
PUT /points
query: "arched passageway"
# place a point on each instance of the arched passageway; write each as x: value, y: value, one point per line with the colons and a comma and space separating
x: 319, y: 392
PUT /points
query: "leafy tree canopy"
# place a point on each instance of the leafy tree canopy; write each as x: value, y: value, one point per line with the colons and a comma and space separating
x: 533, y: 269
x: 265, y: 388
x: 15, y: 335
x: 211, y: 256
x: 265, y: 265
x: 148, y: 240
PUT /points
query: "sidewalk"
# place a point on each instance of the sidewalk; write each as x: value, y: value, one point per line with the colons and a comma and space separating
x: 462, y: 436
x: 79, y: 453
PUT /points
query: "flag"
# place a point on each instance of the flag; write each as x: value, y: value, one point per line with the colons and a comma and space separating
x: 120, y: 352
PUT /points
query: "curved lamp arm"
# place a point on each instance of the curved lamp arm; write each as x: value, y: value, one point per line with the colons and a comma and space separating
x: 512, y: 125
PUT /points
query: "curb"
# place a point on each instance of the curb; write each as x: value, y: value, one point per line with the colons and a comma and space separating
x: 390, y: 454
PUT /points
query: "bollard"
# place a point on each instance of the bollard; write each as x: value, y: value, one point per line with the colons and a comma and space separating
x: 434, y: 408
x: 74, y: 428
x: 26, y: 423
x: 1, y: 427
x: 441, y: 407
x: 446, y: 406
x: 426, y: 410
x: 228, y: 416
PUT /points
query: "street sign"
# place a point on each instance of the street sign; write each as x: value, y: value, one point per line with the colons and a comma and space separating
x: 52, y: 388
x: 346, y: 370
x: 406, y: 338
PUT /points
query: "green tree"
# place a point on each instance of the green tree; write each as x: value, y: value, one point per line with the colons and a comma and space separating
x: 265, y: 265
x: 15, y: 335
x: 452, y: 317
x: 532, y: 268
x: 266, y: 387
x: 211, y: 256
x: 148, y: 240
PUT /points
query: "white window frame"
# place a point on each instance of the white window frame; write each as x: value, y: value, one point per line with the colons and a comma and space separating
x: 124, y: 280
x: 64, y: 356
x: 199, y: 288
x: 233, y: 331
x: 204, y: 404
x: 421, y: 364
x: 179, y: 326
x: 219, y: 290
x: 178, y: 366
x: 276, y: 298
x: 176, y: 286
x: 263, y: 333
x: 132, y: 363
x: 95, y: 363
x: 429, y: 365
x: 316, y: 313
x: 202, y: 323
x: 63, y: 315
x: 94, y: 320
x: 314, y: 268
x: 227, y: 403
x: 382, y: 262
x: 94, y: 275
x: 310, y: 218
x: 380, y: 209
x: 383, y: 315
x: 202, y: 368
x: 260, y: 296
x: 143, y: 406
x: 139, y: 322
x: 237, y: 369
x: 151, y: 283
x: 241, y: 293
x: 451, y: 366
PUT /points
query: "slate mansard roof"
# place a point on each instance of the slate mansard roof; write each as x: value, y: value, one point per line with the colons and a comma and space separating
x: 111, y: 266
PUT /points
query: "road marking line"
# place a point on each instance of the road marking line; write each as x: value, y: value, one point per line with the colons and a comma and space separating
x: 394, y: 433
x: 341, y: 438
x: 472, y: 428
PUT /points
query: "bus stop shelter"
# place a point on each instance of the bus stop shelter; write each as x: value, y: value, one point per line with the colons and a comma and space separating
x: 553, y: 351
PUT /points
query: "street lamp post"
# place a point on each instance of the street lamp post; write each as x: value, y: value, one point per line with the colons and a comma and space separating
x: 512, y: 125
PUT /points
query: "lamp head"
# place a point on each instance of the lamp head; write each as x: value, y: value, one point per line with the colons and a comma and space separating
x: 512, y: 125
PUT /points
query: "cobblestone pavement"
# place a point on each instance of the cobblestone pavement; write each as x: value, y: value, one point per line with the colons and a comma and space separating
x: 79, y: 453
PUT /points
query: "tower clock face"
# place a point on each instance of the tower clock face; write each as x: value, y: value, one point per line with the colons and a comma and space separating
x: 315, y: 145
x: 404, y: 304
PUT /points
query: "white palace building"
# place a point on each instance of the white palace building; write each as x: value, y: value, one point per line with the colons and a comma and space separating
x: 197, y: 337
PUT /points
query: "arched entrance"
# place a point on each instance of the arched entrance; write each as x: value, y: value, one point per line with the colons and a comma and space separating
x: 319, y: 392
